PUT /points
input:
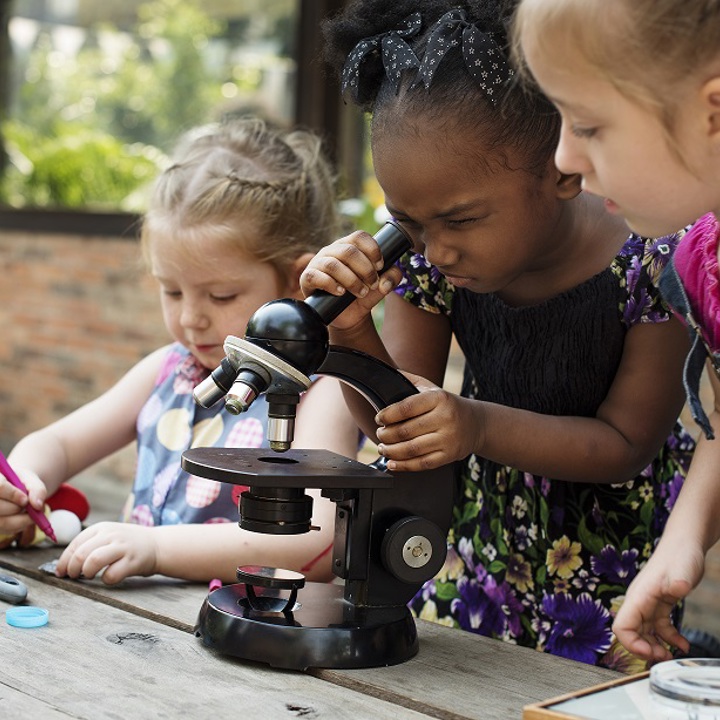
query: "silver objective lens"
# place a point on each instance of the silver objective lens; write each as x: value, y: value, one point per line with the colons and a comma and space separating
x: 240, y: 397
x: 281, y: 431
x: 208, y: 392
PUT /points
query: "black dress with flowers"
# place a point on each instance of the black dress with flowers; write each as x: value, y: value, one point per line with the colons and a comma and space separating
x: 540, y: 562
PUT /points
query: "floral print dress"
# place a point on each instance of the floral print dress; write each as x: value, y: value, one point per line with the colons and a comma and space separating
x: 531, y: 560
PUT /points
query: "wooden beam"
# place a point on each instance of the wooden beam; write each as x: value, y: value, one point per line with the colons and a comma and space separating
x: 318, y: 104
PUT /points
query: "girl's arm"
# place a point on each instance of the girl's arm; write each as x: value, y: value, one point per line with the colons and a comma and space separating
x: 630, y: 426
x: 46, y: 458
x: 205, y: 551
x: 197, y: 552
x: 323, y: 420
x: 417, y: 340
x: 677, y: 565
x: 412, y: 340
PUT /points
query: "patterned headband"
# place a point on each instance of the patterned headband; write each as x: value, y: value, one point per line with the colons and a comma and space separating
x: 396, y: 54
x: 484, y: 59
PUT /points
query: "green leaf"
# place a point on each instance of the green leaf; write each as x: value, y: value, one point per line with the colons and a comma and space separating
x: 446, y: 591
x: 588, y: 539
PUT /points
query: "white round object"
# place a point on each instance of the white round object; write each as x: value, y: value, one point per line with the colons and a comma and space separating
x: 66, y: 525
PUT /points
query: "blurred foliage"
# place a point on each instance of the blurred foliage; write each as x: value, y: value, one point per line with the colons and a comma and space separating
x: 91, y: 128
x: 74, y: 170
x: 368, y: 211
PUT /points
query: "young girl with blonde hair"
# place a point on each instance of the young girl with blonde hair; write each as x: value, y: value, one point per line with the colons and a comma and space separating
x: 637, y: 84
x: 231, y: 224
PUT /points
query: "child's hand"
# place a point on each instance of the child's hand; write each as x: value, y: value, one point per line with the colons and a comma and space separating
x: 350, y: 264
x: 643, y: 624
x: 13, y: 518
x: 122, y: 549
x: 428, y: 430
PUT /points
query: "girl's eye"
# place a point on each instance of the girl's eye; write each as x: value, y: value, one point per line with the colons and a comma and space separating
x: 223, y: 298
x: 172, y: 293
x: 462, y: 221
x: 582, y: 132
x: 406, y: 223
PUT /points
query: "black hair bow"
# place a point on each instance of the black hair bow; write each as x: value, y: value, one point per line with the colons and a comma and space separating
x: 483, y: 57
x: 396, y: 54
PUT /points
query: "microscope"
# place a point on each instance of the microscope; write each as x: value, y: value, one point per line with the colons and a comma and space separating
x: 390, y: 528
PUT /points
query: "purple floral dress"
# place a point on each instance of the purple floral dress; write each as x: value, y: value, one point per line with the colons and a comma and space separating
x: 540, y: 562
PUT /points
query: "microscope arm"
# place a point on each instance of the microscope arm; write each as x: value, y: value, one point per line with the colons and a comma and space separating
x: 379, y: 383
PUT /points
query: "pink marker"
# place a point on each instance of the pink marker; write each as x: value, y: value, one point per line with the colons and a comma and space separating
x: 38, y: 517
x: 215, y: 584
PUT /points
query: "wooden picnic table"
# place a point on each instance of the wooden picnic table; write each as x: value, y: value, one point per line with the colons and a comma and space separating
x: 129, y: 651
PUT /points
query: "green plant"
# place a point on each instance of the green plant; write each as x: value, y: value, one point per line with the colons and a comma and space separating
x: 93, y: 127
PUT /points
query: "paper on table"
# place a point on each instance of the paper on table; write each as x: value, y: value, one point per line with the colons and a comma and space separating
x: 630, y: 701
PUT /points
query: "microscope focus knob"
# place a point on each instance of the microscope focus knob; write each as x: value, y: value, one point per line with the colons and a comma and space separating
x: 413, y: 549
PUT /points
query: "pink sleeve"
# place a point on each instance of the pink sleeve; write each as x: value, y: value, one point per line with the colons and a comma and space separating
x: 697, y: 265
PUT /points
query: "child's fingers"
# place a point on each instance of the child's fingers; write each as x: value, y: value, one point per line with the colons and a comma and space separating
x: 368, y: 248
x: 390, y: 279
x: 672, y: 637
x: 406, y: 409
x: 350, y: 264
x: 12, y: 504
x: 11, y: 496
x: 418, y: 463
x: 73, y: 558
x: 416, y: 441
x: 36, y: 491
x: 646, y: 648
x: 101, y: 560
x: 15, y: 521
x: 118, y: 570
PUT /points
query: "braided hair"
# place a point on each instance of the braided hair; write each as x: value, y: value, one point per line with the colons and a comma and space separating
x: 242, y: 174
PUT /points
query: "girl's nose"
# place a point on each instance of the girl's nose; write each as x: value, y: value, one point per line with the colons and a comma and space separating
x: 439, y: 253
x: 569, y: 155
x: 193, y: 316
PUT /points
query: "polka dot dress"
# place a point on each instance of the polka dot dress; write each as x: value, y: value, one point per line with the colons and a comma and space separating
x: 170, y: 423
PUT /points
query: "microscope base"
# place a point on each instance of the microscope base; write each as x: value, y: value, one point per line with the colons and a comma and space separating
x: 321, y: 630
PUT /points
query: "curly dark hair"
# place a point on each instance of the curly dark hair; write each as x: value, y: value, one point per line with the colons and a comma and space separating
x: 521, y: 118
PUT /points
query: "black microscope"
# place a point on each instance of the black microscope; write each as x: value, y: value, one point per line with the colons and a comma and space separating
x: 390, y: 528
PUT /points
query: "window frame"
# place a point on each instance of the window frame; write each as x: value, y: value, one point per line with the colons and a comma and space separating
x: 318, y: 106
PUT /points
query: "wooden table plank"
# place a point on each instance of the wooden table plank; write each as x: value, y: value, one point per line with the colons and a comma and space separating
x: 461, y: 675
x: 166, y: 600
x: 97, y: 662
x: 455, y: 674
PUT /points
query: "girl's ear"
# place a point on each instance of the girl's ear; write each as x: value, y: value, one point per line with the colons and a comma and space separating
x: 710, y: 95
x: 568, y: 186
x: 294, y: 273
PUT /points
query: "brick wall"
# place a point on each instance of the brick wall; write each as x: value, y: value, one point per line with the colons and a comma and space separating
x: 76, y: 312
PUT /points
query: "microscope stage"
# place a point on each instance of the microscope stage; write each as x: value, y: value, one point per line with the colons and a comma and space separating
x: 294, y: 468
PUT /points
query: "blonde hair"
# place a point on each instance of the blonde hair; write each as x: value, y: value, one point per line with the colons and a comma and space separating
x: 270, y: 191
x: 645, y: 48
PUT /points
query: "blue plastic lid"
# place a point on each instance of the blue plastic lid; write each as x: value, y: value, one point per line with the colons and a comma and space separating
x: 26, y: 616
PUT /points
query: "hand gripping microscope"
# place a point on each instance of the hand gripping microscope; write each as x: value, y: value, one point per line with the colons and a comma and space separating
x: 390, y: 528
